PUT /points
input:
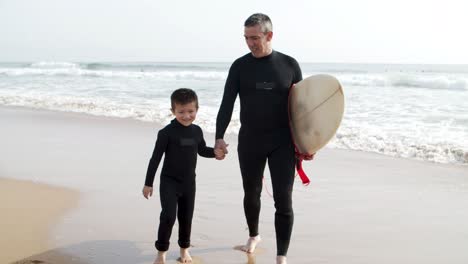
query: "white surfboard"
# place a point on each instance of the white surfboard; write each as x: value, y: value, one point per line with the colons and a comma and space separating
x: 316, y: 106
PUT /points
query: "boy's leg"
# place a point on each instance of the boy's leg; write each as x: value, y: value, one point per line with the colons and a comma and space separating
x: 161, y: 257
x: 185, y: 214
x: 168, y: 197
x: 282, y: 164
x: 185, y: 256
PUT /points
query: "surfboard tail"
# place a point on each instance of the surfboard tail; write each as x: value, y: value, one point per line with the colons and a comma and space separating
x: 299, y: 156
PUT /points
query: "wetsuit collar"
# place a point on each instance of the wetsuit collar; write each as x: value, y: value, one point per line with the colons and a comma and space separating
x: 178, y: 124
x: 267, y: 57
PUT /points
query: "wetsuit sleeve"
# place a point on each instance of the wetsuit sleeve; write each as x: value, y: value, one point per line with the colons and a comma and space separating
x: 203, y: 150
x: 297, y: 72
x: 231, y: 89
x: 159, y: 149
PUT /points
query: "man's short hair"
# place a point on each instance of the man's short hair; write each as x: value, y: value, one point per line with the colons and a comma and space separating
x: 259, y: 19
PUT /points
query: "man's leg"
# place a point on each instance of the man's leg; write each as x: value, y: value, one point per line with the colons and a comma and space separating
x: 252, y: 165
x: 282, y: 164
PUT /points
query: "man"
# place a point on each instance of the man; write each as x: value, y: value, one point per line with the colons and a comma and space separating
x: 262, y: 79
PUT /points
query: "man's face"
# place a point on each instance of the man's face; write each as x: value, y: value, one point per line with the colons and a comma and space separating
x: 257, y: 41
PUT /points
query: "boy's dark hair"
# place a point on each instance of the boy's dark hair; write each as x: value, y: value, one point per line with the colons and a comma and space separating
x: 183, y: 96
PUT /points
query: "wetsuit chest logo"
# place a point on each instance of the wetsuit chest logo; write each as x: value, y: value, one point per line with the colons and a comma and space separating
x: 264, y: 86
x: 187, y: 142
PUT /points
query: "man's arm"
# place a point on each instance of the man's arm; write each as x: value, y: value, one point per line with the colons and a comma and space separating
x: 231, y: 89
x: 297, y: 71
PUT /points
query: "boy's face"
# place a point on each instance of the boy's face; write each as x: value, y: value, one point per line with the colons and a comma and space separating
x: 185, y: 113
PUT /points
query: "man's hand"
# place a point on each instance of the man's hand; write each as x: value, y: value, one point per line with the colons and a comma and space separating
x: 220, y: 149
x: 305, y: 156
x: 147, y: 191
x: 309, y: 157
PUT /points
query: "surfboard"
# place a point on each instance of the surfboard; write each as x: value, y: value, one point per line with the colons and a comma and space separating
x: 316, y: 106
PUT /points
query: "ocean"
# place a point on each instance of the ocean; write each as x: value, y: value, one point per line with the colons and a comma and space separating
x: 410, y: 111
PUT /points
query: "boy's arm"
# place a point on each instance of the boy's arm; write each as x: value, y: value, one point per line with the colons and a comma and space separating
x: 159, y: 149
x: 203, y: 150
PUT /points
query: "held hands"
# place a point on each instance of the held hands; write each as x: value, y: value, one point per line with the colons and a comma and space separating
x: 219, y: 154
x: 220, y: 149
x: 147, y: 191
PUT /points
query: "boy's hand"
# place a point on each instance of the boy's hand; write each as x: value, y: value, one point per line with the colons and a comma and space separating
x: 147, y: 191
x: 219, y: 154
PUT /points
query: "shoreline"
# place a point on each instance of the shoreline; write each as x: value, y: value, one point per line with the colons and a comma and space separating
x: 231, y: 137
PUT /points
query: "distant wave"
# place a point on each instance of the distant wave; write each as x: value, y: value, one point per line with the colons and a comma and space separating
x: 156, y: 66
x: 400, y: 146
x: 443, y: 82
x: 219, y: 71
x: 430, y: 82
x: 127, y: 66
x: 77, y: 71
x: 54, y: 65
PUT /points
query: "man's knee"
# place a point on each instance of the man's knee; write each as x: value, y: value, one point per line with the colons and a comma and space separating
x: 283, y: 204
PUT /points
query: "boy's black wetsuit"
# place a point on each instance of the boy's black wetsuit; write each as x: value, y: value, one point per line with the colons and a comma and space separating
x: 180, y: 144
x: 263, y: 85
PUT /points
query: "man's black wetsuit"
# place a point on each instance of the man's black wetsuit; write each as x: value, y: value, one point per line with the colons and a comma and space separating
x: 180, y: 144
x: 263, y: 85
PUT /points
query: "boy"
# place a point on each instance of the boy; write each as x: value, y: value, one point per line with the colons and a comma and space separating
x: 180, y: 141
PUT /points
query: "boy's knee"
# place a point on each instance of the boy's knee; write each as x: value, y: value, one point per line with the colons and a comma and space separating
x: 167, y: 219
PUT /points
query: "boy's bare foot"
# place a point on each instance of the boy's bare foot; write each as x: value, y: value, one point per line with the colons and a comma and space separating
x: 251, y: 244
x: 161, y: 258
x: 281, y: 260
x: 185, y: 256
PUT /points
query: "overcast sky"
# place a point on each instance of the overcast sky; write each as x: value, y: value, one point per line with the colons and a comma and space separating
x: 355, y: 31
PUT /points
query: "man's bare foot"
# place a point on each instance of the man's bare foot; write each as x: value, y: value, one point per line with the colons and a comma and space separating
x: 251, y: 244
x: 281, y: 260
x: 161, y: 258
x: 185, y: 256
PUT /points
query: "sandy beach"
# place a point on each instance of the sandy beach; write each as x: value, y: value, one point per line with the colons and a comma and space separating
x: 29, y: 210
x: 360, y: 208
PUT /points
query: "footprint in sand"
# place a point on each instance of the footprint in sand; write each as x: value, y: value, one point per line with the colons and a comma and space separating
x: 250, y: 256
x: 195, y: 260
x: 30, y: 262
x: 258, y: 250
